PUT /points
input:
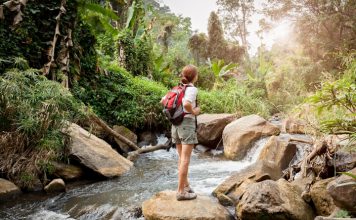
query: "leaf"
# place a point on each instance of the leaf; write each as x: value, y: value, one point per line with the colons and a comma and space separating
x: 130, y: 15
x: 349, y: 174
x: 100, y: 10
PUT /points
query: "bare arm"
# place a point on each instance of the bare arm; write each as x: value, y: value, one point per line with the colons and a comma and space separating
x: 189, y: 107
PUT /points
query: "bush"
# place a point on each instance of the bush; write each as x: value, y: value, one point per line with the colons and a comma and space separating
x: 120, y: 98
x: 206, y: 78
x: 33, y: 110
x: 233, y: 98
x: 335, y: 102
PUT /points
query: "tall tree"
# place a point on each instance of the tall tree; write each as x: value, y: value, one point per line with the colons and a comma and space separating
x: 236, y: 15
x: 324, y: 28
x: 216, y: 42
x: 198, y: 44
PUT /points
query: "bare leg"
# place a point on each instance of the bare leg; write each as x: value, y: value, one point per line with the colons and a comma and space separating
x: 179, y: 150
x: 186, y: 151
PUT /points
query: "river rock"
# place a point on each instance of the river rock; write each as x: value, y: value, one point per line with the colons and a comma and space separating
x: 127, y: 134
x: 147, y: 138
x: 278, y: 151
x: 231, y: 190
x: 67, y: 171
x: 293, y: 126
x: 164, y: 205
x: 96, y: 154
x: 239, y: 135
x: 343, y: 192
x: 210, y: 128
x: 56, y: 185
x: 270, y: 200
x: 342, y: 162
x: 8, y: 189
x: 323, y: 202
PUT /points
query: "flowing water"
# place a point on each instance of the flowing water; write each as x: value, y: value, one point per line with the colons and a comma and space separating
x: 119, y: 198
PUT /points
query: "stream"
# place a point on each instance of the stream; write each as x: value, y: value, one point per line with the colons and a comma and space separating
x: 119, y: 198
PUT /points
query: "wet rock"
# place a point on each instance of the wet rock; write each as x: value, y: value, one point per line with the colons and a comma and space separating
x: 147, y: 138
x: 8, y: 190
x: 278, y: 151
x: 165, y: 206
x: 67, y: 172
x: 235, y: 186
x: 93, y: 128
x: 56, y: 185
x: 272, y: 200
x: 210, y: 128
x: 323, y: 202
x: 293, y: 126
x: 96, y: 154
x: 342, y: 161
x: 239, y: 135
x: 127, y: 134
x: 343, y: 192
x: 201, y: 148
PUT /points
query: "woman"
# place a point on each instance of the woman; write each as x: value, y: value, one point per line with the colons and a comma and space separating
x: 184, y: 135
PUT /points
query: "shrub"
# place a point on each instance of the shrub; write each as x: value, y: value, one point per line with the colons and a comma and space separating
x: 335, y: 102
x: 120, y: 98
x: 33, y: 110
x: 233, y: 98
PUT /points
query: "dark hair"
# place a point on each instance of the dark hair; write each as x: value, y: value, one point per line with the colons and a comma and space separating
x: 189, y: 72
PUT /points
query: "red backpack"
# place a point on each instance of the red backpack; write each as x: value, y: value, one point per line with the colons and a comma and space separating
x: 173, y: 104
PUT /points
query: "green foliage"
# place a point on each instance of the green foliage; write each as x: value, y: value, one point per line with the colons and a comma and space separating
x: 33, y: 111
x: 137, y: 53
x: 233, y: 98
x: 206, y: 79
x: 98, y: 17
x: 337, y: 98
x: 349, y: 174
x: 31, y: 38
x: 342, y: 214
x: 119, y: 98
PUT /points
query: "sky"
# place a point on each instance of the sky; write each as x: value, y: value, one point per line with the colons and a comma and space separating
x: 199, y: 11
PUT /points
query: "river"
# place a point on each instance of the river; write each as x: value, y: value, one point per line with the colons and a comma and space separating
x: 119, y: 198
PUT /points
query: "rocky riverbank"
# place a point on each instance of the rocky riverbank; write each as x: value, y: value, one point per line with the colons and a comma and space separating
x: 272, y: 188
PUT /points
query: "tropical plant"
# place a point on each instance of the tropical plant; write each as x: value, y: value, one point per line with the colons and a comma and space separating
x: 220, y: 69
x: 33, y: 112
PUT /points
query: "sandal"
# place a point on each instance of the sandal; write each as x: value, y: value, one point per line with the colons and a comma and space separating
x: 185, y: 196
x: 188, y: 189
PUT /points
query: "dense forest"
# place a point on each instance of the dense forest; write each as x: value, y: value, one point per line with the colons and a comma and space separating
x: 112, y: 60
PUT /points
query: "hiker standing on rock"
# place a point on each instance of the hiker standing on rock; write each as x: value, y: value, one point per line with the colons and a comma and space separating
x: 184, y: 125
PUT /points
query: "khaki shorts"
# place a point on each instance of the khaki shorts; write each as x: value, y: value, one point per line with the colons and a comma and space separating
x: 185, y: 133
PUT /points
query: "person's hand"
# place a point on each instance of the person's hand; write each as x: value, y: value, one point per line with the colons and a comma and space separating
x: 196, y: 111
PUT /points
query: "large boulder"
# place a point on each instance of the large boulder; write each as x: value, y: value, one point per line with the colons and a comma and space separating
x: 8, y: 189
x: 231, y: 190
x: 164, y: 205
x: 239, y: 135
x: 67, y: 171
x: 210, y: 128
x: 278, y: 151
x: 95, y: 153
x: 343, y: 192
x: 270, y: 200
x: 127, y: 134
x: 322, y: 200
x: 56, y: 185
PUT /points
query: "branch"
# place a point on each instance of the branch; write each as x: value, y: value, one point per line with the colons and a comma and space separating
x: 102, y: 124
x: 132, y: 155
